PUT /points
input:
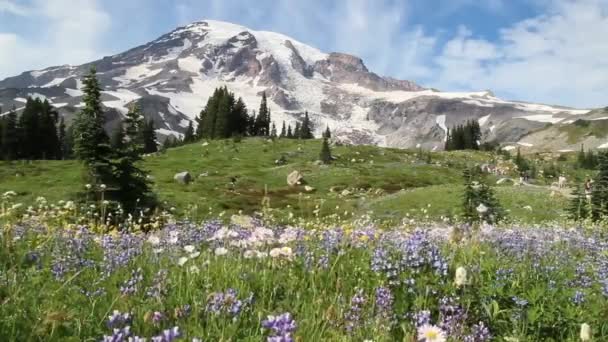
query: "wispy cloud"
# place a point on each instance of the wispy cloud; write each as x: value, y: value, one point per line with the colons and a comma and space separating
x: 69, y: 34
x: 559, y: 57
x: 13, y: 8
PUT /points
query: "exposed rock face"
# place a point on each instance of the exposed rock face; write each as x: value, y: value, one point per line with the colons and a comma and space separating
x: 172, y: 77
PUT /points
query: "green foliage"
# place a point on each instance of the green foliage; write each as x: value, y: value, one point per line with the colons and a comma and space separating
x: 599, y: 195
x: 306, y: 128
x: 149, y: 137
x: 464, y: 137
x: 579, y: 208
x: 132, y: 184
x: 262, y: 120
x: 91, y: 143
x: 479, y: 202
x: 189, y: 134
x: 10, y: 136
x: 223, y: 116
x: 327, y: 133
x: 117, y: 138
x: 325, y: 154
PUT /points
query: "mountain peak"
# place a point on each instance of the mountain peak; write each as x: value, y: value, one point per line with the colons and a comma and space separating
x: 172, y: 77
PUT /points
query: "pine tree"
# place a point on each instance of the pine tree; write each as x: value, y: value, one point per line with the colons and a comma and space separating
x: 91, y: 143
x: 297, y: 133
x: 10, y: 136
x: 117, y: 138
x: 200, y: 127
x: 478, y: 195
x: 148, y: 133
x: 189, y: 134
x: 289, y: 133
x: 581, y: 157
x: 273, y: 131
x: 133, y: 186
x: 67, y: 146
x: 61, y: 137
x: 262, y: 122
x: 239, y: 120
x: 327, y: 133
x: 579, y: 205
x: 29, y: 147
x: 306, y: 129
x: 325, y: 154
x: 224, y: 110
x: 283, y: 131
x: 599, y: 194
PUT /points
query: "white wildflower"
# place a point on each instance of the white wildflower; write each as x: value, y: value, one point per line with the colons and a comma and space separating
x: 481, y: 208
x: 220, y: 251
x: 154, y: 240
x: 182, y: 261
x: 585, y: 332
x: 431, y: 333
x: 189, y: 248
x: 461, y: 277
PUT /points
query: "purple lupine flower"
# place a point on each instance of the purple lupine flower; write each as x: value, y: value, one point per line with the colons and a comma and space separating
x: 118, y: 335
x: 157, y: 317
x: 158, y: 288
x: 281, y: 326
x: 479, y: 333
x: 578, y: 298
x: 168, y: 335
x: 118, y: 319
x: 353, y: 317
x: 183, y: 311
x: 227, y: 303
x: 384, y: 303
x: 421, y: 318
x: 452, y: 316
x: 130, y: 287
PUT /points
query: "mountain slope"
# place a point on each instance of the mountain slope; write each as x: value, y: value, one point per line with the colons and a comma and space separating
x: 173, y: 76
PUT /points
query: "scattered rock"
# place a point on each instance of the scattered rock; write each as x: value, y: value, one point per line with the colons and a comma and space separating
x: 204, y: 174
x: 308, y: 188
x: 295, y: 178
x: 317, y: 162
x: 183, y: 177
x: 205, y: 144
x: 345, y: 192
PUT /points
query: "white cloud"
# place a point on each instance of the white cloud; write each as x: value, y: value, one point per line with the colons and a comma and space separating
x: 558, y: 58
x: 69, y: 34
x: 12, y: 8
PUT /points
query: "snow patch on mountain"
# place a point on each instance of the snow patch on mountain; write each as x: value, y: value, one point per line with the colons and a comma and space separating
x: 483, y: 120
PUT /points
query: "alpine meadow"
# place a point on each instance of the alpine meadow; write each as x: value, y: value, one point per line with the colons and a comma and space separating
x: 225, y: 182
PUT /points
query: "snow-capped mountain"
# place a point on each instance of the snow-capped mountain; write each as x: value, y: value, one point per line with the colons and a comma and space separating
x: 172, y: 77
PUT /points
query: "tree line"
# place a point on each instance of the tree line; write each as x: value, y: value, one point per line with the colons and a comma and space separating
x: 38, y: 133
x: 464, y: 137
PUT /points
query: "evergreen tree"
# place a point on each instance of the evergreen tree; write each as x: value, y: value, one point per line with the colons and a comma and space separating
x: 148, y: 133
x: 49, y: 140
x: 297, y: 133
x: 306, y: 129
x: 599, y: 193
x: 200, y: 128
x: 273, y: 131
x: 239, y: 120
x: 224, y: 111
x: 581, y: 157
x: 10, y: 136
x: 91, y: 143
x: 283, y: 131
x: 189, y: 134
x: 67, y: 145
x: 133, y: 186
x: 29, y: 139
x: 210, y: 114
x: 327, y: 133
x: 61, y: 137
x: 262, y: 122
x: 325, y: 155
x: 579, y: 205
x: 289, y: 133
x: 117, y: 138
x: 479, y: 201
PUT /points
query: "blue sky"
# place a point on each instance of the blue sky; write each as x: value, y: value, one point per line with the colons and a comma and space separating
x: 549, y: 51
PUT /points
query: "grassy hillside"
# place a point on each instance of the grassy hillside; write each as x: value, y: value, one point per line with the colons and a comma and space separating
x: 388, y: 183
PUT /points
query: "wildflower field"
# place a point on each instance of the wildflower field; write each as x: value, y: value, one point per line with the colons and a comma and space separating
x: 249, y: 281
